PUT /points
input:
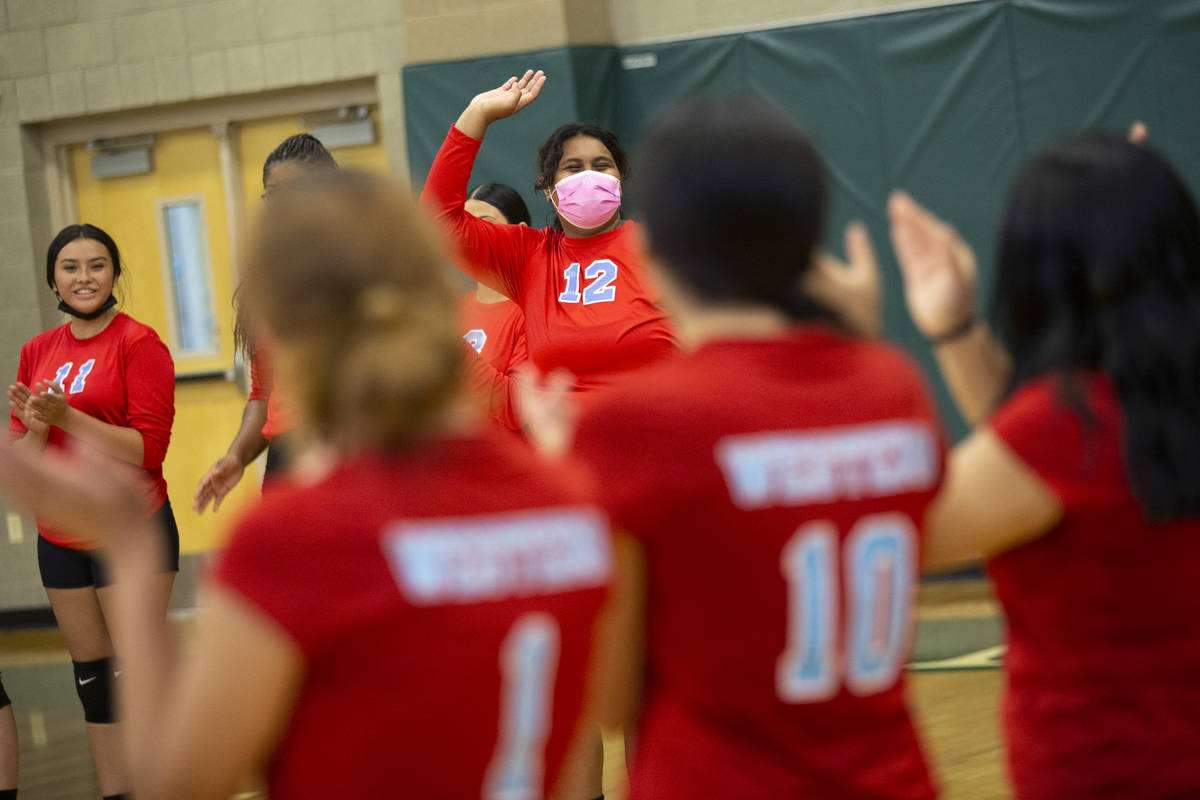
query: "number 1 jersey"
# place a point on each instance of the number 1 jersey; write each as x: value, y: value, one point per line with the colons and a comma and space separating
x: 777, y: 488
x: 443, y: 598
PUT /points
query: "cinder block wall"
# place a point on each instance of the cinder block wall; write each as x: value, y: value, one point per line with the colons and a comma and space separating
x: 77, y: 59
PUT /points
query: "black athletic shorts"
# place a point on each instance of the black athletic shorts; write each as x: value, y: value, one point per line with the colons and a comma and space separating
x: 4, y: 701
x: 279, y: 457
x: 67, y: 568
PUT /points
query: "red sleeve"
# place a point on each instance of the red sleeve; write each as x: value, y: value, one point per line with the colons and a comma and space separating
x: 150, y: 396
x: 261, y: 377
x: 491, y: 387
x: 16, y: 428
x: 492, y: 254
x: 1079, y: 460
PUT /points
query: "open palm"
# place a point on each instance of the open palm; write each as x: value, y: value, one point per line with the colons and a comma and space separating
x: 509, y: 97
x: 938, y: 267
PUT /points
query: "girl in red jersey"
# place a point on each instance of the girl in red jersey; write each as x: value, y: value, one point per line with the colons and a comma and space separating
x: 263, y: 419
x: 107, y: 381
x: 412, y: 622
x: 771, y: 513
x: 1083, y: 487
x: 588, y: 305
x: 492, y: 324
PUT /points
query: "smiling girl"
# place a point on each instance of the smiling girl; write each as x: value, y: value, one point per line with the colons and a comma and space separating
x: 106, y: 381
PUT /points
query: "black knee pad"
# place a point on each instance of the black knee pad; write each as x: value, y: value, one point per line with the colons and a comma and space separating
x: 93, y: 684
x: 4, y: 701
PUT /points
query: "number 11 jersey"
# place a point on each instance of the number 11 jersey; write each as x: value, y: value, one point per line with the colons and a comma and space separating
x: 777, y: 488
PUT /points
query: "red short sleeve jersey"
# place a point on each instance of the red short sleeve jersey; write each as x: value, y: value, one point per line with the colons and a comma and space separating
x: 263, y: 387
x: 589, y: 306
x: 777, y: 488
x: 444, y: 600
x: 1103, y: 698
x: 123, y: 375
x: 496, y: 332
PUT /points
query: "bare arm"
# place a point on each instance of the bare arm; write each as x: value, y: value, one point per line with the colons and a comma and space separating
x: 976, y: 369
x: 196, y: 734
x: 939, y: 274
x: 990, y: 502
x: 227, y: 472
x: 618, y: 660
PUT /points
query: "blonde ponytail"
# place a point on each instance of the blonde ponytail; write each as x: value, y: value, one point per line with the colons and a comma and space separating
x: 349, y: 281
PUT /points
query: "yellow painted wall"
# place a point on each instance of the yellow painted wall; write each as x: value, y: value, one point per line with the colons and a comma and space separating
x: 207, y: 411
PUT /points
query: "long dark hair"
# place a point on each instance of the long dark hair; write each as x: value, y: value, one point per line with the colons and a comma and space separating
x: 551, y: 153
x: 1098, y: 269
x: 734, y: 201
x: 506, y: 200
x: 308, y: 150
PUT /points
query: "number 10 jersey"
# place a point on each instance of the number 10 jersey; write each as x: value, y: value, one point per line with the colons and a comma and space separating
x: 777, y: 488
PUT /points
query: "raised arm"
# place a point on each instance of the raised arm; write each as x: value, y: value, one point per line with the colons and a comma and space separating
x: 492, y: 254
x: 939, y: 274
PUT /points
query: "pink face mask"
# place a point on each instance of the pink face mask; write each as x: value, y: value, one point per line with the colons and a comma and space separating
x: 588, y: 199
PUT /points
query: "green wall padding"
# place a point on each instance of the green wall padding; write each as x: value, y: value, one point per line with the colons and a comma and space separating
x: 945, y: 102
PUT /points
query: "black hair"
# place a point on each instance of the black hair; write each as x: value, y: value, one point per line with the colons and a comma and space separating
x: 303, y: 147
x: 72, y: 233
x: 506, y: 200
x: 734, y: 196
x: 1098, y: 269
x: 307, y: 149
x: 551, y: 153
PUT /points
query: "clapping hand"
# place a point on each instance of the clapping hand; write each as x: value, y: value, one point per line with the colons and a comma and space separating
x: 19, y: 398
x: 49, y: 403
x: 938, y: 268
x: 851, y: 288
x: 548, y: 410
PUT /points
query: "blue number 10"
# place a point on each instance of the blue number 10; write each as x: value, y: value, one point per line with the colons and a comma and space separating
x: 878, y: 566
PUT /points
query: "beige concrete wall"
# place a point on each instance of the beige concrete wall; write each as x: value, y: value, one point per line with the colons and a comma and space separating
x: 92, y: 62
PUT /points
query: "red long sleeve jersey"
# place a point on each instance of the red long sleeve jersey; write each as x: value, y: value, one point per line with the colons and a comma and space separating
x: 1103, y: 616
x: 589, y: 306
x: 496, y: 332
x: 777, y: 488
x: 123, y: 375
x: 443, y: 599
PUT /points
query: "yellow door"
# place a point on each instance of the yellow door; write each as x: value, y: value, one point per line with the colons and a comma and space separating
x: 186, y: 169
x: 208, y: 407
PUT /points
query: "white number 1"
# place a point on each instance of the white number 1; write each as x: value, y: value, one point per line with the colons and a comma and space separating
x: 528, y: 663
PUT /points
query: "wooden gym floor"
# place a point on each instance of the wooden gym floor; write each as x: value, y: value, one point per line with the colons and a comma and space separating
x: 954, y: 682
